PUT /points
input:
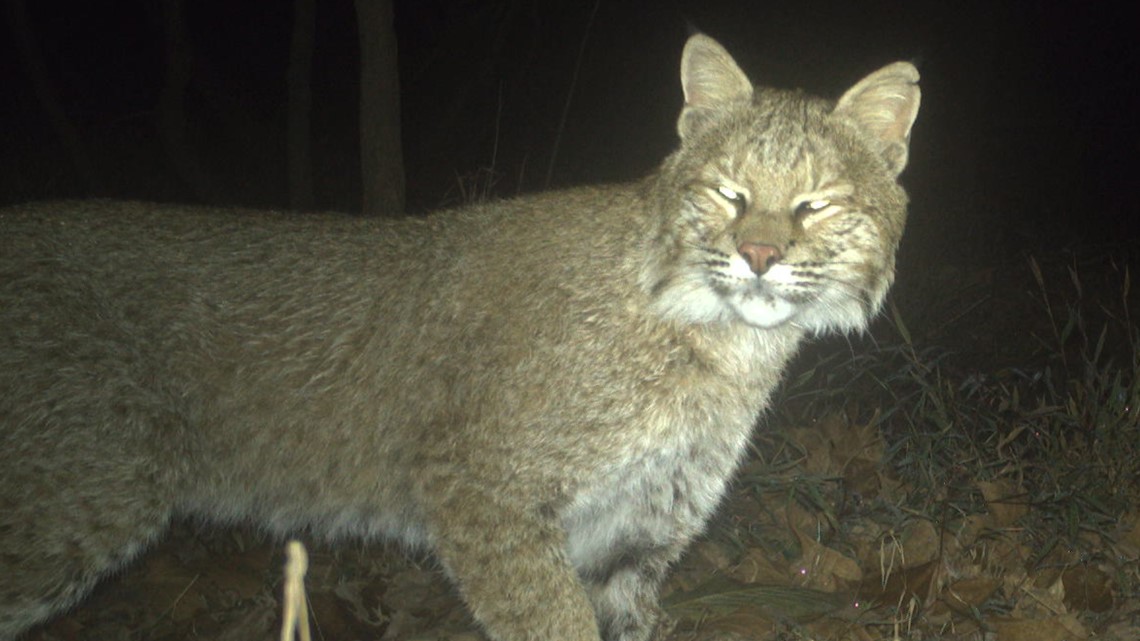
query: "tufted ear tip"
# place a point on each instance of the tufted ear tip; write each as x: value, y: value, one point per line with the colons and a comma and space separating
x: 710, y: 79
x: 885, y: 105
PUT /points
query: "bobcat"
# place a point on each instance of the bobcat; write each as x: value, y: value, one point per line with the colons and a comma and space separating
x: 549, y: 393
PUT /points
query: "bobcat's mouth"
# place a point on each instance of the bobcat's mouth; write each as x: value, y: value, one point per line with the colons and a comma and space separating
x: 817, y: 299
x: 759, y: 300
x: 804, y: 297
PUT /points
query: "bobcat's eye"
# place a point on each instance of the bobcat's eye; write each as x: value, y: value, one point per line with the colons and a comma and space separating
x: 808, y: 207
x: 736, y: 198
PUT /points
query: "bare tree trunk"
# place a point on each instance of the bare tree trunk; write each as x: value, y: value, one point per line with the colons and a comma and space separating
x: 300, y: 106
x: 172, y: 121
x: 31, y: 57
x: 381, y: 156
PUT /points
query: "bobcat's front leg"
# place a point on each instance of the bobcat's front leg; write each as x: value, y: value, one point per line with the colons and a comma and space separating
x: 511, y: 568
x: 626, y: 601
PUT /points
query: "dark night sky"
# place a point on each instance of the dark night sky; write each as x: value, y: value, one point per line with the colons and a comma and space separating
x: 1027, y: 130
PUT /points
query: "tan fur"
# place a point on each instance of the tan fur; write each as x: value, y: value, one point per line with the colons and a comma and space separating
x: 549, y: 392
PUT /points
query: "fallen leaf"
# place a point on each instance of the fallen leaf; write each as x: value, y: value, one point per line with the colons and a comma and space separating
x: 1064, y: 627
x: 1006, y: 501
x: 900, y: 585
x: 968, y: 594
x: 1087, y: 588
x: 756, y: 566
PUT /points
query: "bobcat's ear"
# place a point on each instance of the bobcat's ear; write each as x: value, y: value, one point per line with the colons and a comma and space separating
x: 711, y: 80
x: 885, y: 104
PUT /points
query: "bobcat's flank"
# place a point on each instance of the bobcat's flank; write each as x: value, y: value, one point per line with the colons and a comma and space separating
x: 550, y: 393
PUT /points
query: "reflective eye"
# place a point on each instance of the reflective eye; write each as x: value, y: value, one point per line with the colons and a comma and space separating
x: 811, y: 206
x: 734, y: 197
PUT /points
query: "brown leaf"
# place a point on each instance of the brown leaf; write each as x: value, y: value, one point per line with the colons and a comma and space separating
x: 965, y: 595
x: 817, y: 451
x: 1064, y: 627
x: 749, y: 624
x: 900, y: 586
x: 918, y: 544
x: 825, y: 568
x: 756, y: 566
x: 839, y: 629
x: 1087, y: 588
x: 715, y: 554
x: 1006, y: 501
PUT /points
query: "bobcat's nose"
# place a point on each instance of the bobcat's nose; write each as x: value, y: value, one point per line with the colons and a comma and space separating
x: 760, y: 257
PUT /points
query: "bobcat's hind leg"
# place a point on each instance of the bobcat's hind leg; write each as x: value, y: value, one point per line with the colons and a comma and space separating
x: 54, y: 549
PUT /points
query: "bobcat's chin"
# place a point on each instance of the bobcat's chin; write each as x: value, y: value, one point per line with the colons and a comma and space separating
x: 768, y: 311
x: 779, y: 297
x: 763, y: 310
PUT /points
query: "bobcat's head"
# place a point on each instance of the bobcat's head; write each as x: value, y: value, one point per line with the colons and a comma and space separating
x: 781, y: 208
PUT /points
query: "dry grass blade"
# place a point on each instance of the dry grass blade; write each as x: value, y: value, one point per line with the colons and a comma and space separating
x: 722, y: 596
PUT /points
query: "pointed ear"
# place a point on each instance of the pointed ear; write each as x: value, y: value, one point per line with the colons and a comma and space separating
x: 711, y: 80
x: 884, y: 105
